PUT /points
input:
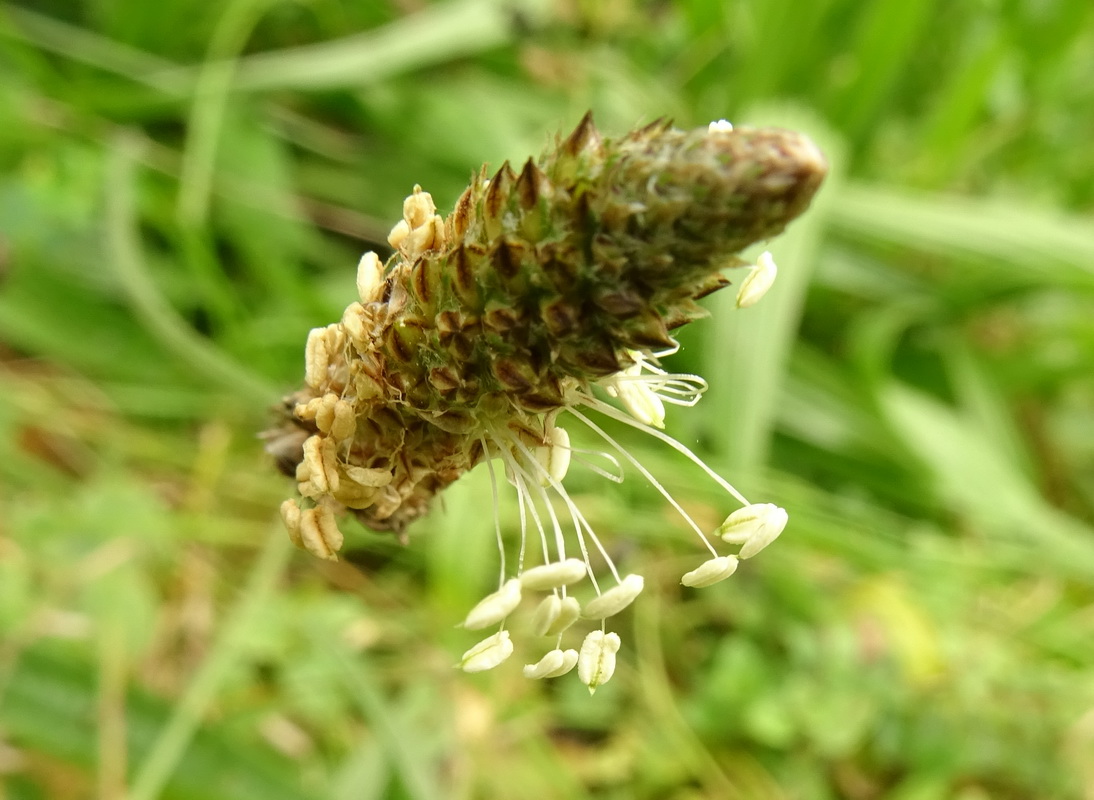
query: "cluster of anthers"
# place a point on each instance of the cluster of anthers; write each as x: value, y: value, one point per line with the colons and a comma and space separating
x: 478, y: 336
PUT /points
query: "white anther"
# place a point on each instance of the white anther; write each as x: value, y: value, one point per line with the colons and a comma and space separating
x: 754, y: 526
x: 710, y: 572
x: 370, y: 278
x: 554, y: 456
x: 553, y: 665
x: 495, y: 607
x: 759, y: 280
x: 596, y: 661
x: 488, y: 653
x: 615, y: 599
x: 398, y: 234
x: 554, y: 615
x: 551, y: 576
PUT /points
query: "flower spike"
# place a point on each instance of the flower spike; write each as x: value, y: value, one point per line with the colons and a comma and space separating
x: 547, y: 287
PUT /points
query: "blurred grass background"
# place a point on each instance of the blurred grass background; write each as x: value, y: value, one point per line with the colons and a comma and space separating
x: 185, y: 189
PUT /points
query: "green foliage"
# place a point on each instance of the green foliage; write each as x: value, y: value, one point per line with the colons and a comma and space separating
x: 184, y: 191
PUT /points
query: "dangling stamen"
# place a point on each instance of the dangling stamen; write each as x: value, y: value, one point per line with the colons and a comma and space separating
x: 579, y: 520
x: 646, y: 474
x: 524, y: 485
x: 518, y: 468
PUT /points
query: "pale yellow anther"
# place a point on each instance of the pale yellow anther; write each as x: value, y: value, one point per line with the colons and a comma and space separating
x: 554, y: 615
x: 488, y: 653
x: 615, y: 599
x: 754, y: 527
x: 596, y: 661
x: 290, y: 515
x: 637, y: 397
x: 551, y: 576
x: 553, y: 665
x: 365, y: 476
x: 345, y: 421
x: 418, y: 208
x: 353, y: 323
x: 495, y: 607
x: 319, y: 533
x: 370, y: 278
x: 710, y: 572
x: 398, y: 234
x: 759, y: 280
x: 316, y: 358
x: 321, y: 462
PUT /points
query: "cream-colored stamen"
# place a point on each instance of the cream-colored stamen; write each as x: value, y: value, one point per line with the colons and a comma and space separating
x: 495, y: 607
x: 758, y: 282
x: 710, y: 572
x: 551, y: 576
x: 596, y: 661
x: 488, y: 653
x: 553, y: 665
x: 615, y: 599
x: 370, y: 278
x: 754, y: 527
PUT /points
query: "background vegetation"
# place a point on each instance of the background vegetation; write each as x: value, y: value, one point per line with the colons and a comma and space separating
x: 185, y: 189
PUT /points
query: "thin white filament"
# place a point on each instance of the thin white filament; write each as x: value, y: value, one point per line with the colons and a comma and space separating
x: 521, y: 475
x: 616, y: 477
x: 615, y: 414
x: 647, y: 475
x: 580, y: 523
x: 497, y: 517
x: 525, y: 497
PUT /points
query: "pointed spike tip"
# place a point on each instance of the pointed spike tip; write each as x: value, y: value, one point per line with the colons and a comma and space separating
x: 585, y: 136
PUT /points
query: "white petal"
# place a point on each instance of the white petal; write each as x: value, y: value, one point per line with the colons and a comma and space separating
x: 710, y: 572
x: 615, y: 599
x: 553, y: 665
x: 759, y: 280
x: 551, y: 576
x: 488, y: 653
x: 495, y: 607
x: 596, y: 661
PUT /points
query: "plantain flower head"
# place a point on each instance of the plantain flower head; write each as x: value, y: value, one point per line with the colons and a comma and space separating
x: 546, y: 299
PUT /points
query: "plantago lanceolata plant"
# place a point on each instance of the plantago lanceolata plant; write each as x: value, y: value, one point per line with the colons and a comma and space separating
x: 546, y: 293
